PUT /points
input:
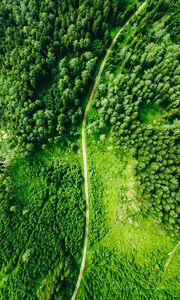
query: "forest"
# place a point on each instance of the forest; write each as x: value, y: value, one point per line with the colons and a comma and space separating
x: 41, y: 228
x: 50, y: 55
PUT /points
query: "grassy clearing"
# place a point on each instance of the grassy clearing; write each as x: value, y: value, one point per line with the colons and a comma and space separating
x: 152, y: 114
x: 118, y: 180
x: 56, y: 153
x: 127, y: 252
x: 128, y: 263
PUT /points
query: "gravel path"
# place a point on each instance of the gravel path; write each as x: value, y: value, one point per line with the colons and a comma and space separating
x: 84, y: 152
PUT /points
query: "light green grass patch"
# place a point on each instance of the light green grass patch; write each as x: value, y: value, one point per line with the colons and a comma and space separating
x: 143, y: 236
x: 118, y: 177
x: 140, y: 246
x: 152, y: 114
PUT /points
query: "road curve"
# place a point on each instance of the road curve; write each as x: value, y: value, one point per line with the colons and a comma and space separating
x: 84, y: 153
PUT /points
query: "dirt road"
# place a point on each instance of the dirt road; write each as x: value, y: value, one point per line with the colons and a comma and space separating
x: 84, y: 153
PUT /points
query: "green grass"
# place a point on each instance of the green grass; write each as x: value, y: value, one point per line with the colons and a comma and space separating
x: 128, y: 263
x: 117, y: 175
x: 127, y: 252
x: 152, y: 114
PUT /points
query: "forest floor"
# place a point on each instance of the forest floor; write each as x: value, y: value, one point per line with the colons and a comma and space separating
x: 84, y: 152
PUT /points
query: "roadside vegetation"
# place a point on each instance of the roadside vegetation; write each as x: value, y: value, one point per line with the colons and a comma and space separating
x: 48, y: 57
x: 133, y: 152
x: 128, y: 248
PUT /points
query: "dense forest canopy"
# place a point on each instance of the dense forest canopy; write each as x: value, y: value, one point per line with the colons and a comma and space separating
x: 50, y: 54
x: 54, y: 43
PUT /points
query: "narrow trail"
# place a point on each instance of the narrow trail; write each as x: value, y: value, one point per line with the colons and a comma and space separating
x: 170, y: 254
x: 84, y: 153
x: 160, y: 284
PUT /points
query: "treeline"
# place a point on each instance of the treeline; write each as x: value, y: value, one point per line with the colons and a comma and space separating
x: 35, y: 36
x: 42, y: 230
x: 138, y: 100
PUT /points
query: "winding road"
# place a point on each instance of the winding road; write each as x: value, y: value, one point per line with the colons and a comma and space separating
x: 84, y: 153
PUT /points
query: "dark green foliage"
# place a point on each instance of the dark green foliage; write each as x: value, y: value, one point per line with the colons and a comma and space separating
x: 42, y: 229
x: 48, y: 55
